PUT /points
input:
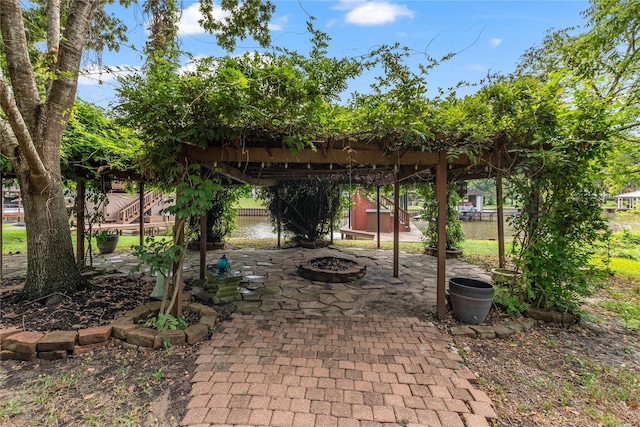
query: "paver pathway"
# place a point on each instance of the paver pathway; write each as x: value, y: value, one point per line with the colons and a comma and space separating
x: 315, y: 354
x: 287, y: 369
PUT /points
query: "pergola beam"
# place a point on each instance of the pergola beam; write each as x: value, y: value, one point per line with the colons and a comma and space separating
x: 237, y: 175
x: 363, y: 155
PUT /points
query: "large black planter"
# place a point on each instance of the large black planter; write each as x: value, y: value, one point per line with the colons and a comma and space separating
x: 109, y: 244
x: 471, y: 299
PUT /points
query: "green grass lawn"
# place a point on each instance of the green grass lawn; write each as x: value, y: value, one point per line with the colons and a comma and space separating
x: 14, y: 240
x: 250, y: 203
x: 623, y: 290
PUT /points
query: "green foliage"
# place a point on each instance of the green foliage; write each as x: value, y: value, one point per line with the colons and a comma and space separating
x: 92, y: 144
x: 94, y: 216
x: 628, y: 311
x: 305, y: 209
x: 158, y: 255
x: 221, y: 216
x: 165, y: 322
x: 603, y: 60
x: 454, y: 233
x: 194, y: 196
x: 560, y: 148
x: 245, y: 18
x: 512, y: 302
x: 272, y: 96
x: 625, y: 244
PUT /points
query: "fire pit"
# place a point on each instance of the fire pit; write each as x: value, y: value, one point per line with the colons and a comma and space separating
x: 332, y: 270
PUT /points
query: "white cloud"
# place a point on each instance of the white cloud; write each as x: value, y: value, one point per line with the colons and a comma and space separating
x: 495, y: 42
x: 331, y: 23
x: 475, y: 67
x: 95, y: 75
x: 368, y: 13
x: 189, y: 25
x: 278, y: 24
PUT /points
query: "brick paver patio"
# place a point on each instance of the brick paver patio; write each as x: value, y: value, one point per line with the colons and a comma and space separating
x: 287, y: 369
x: 315, y: 354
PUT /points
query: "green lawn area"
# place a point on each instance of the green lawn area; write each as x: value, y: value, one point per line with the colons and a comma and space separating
x: 14, y: 240
x: 250, y: 203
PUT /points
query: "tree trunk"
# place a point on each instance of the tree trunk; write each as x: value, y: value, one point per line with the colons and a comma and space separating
x: 51, y: 266
x: 31, y: 130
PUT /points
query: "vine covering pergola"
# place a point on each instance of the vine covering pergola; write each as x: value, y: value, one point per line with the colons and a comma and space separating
x: 264, y: 118
x: 344, y: 161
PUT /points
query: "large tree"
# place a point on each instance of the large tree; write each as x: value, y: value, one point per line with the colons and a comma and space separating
x: 37, y: 92
x: 40, y: 56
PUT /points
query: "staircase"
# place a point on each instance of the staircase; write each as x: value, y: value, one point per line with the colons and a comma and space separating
x: 131, y: 211
x: 405, y: 217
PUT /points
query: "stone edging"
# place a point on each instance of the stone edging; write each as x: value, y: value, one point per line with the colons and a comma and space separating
x: 124, y: 332
x: 505, y: 330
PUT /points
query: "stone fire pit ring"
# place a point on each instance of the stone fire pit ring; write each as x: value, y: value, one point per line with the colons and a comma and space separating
x: 331, y: 270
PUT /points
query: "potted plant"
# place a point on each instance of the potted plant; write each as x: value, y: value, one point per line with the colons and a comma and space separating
x: 454, y: 233
x: 106, y: 240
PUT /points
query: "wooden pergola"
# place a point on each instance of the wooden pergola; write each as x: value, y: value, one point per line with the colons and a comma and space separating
x: 375, y: 163
x: 372, y: 163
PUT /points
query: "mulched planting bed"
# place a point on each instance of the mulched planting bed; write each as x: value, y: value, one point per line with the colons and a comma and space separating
x: 103, y: 299
x: 107, y: 386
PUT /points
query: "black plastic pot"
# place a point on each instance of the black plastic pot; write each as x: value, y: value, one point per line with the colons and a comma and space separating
x: 471, y: 299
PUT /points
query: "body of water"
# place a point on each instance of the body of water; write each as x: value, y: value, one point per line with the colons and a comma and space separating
x: 261, y: 228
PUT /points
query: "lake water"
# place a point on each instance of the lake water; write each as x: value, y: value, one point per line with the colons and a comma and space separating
x: 261, y: 228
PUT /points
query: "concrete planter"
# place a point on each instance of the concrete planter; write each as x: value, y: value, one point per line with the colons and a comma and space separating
x: 450, y: 253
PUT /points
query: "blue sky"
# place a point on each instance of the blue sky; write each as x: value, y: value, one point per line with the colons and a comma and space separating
x: 489, y: 36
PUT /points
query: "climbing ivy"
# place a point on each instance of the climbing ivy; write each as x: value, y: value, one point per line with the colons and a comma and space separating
x: 93, y: 145
x: 454, y: 233
x: 306, y: 209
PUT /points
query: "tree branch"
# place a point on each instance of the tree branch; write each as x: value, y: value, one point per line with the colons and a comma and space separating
x: 23, y: 82
x: 629, y: 58
x: 8, y: 141
x: 53, y: 33
x: 62, y: 90
x: 19, y: 129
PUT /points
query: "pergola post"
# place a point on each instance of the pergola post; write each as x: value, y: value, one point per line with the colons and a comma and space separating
x: 80, y: 204
x: 378, y: 212
x: 441, y: 199
x: 203, y: 245
x: 500, y: 211
x: 141, y: 213
x: 396, y: 227
x: 278, y: 224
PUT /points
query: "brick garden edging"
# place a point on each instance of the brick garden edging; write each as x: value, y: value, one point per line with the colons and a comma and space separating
x: 124, y: 332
